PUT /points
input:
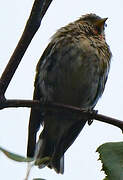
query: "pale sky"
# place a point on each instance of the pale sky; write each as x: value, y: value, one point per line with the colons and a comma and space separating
x: 81, y: 158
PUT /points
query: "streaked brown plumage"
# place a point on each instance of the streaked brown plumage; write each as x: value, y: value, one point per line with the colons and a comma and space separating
x: 73, y: 70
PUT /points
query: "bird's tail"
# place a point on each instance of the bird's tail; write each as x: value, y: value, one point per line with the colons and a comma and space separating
x: 57, y: 136
x: 44, y: 154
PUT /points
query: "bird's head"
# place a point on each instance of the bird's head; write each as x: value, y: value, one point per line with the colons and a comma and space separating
x: 96, y: 23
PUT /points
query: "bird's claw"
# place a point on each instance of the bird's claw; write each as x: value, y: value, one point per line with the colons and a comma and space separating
x: 93, y: 113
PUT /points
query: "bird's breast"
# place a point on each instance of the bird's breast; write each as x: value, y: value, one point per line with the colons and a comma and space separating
x: 71, y: 74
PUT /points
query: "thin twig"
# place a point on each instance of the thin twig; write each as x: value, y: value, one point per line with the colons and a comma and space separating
x: 37, y: 104
x: 29, y: 167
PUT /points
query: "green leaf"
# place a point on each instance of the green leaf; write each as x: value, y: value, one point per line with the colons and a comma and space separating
x: 111, y: 155
x: 15, y: 157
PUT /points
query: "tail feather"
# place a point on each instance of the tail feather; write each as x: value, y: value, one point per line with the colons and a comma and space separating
x: 57, y: 136
x: 58, y: 165
x: 44, y: 151
x: 67, y: 139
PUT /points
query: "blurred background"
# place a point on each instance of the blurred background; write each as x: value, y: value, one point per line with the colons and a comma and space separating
x: 81, y: 158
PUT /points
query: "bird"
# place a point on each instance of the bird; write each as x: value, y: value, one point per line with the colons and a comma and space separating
x: 73, y: 70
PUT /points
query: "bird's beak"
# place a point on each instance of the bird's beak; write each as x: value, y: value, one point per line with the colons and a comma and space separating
x: 100, y: 23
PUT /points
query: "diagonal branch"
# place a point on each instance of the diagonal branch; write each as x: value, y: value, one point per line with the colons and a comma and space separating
x: 79, y: 111
x: 38, y: 10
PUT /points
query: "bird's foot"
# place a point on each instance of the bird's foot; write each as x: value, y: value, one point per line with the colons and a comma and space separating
x: 92, y: 112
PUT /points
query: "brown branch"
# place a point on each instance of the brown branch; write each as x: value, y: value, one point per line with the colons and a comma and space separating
x: 37, y: 104
x: 38, y: 10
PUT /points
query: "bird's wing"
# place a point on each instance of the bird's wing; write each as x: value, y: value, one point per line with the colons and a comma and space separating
x: 34, y: 125
x: 36, y: 114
